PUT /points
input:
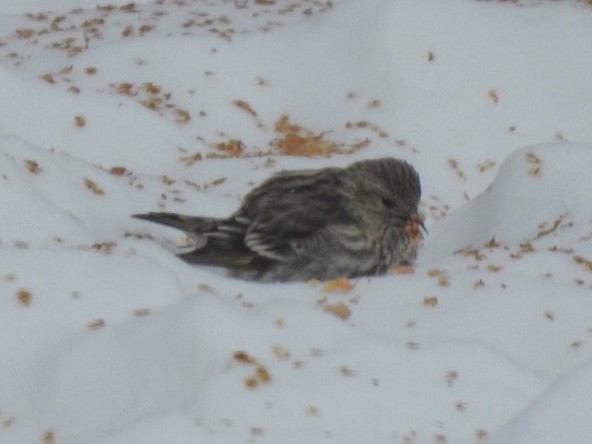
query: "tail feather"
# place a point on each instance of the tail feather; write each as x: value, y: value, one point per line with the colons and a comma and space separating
x: 180, y: 221
x: 220, y: 241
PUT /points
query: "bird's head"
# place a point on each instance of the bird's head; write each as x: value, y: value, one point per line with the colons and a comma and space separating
x: 387, y: 191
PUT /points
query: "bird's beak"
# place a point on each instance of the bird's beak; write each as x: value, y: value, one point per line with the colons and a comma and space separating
x: 422, y: 225
x: 412, y: 227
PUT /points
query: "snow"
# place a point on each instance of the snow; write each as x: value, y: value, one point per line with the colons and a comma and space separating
x: 107, y: 338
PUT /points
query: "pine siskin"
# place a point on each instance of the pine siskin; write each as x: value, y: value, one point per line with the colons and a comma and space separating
x: 305, y: 224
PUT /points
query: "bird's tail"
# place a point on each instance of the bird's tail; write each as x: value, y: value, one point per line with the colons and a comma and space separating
x: 190, y: 224
x: 221, y: 241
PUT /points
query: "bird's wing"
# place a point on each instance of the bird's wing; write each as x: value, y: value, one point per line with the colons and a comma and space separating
x: 288, y: 215
x: 292, y: 214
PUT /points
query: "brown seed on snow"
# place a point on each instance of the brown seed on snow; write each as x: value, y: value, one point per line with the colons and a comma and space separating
x: 342, y: 284
x: 262, y: 374
x: 251, y: 382
x: 492, y: 94
x: 243, y: 357
x: 47, y: 78
x: 430, y: 301
x: 340, y: 310
x: 24, y: 297
x: 32, y: 166
x: 96, y: 324
x: 93, y: 186
x: 79, y: 121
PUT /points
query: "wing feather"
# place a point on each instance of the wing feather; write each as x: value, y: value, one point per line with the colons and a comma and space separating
x: 292, y: 213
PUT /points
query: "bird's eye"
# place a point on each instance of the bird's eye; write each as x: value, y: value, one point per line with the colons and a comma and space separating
x: 389, y: 203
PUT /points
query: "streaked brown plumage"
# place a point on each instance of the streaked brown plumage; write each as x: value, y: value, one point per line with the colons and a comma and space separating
x: 304, y: 224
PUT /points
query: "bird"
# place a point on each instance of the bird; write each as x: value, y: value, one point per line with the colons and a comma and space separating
x: 321, y: 224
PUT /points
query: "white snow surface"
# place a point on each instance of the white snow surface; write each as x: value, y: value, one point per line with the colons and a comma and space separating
x: 107, y: 338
